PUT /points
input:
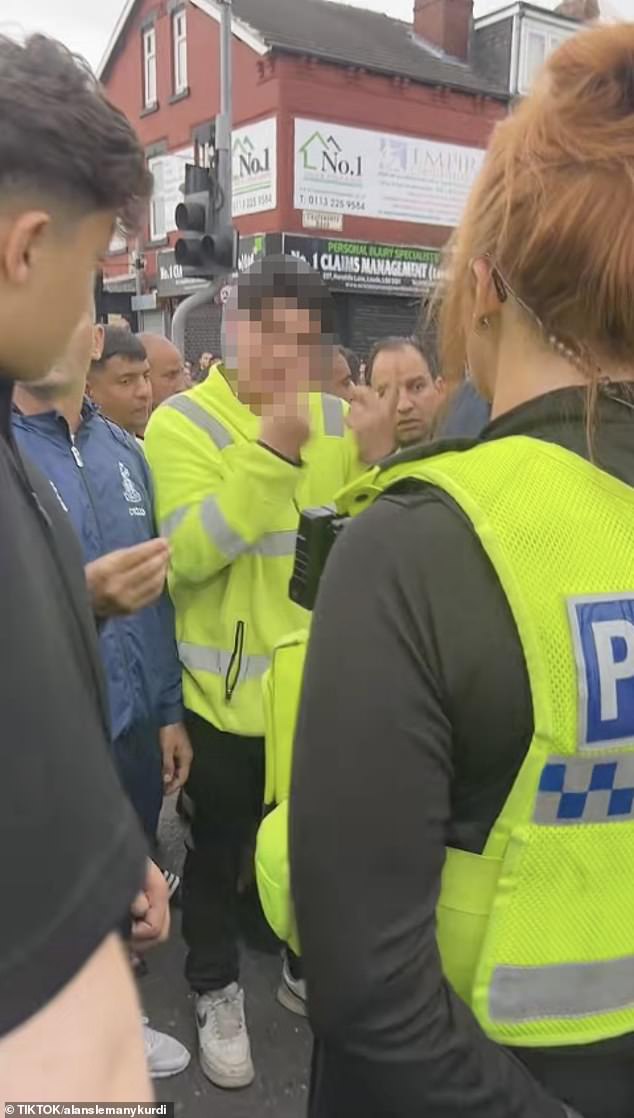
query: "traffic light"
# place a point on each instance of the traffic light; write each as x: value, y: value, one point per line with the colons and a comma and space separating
x: 207, y: 245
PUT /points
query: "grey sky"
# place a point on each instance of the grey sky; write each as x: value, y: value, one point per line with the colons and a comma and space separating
x: 89, y: 33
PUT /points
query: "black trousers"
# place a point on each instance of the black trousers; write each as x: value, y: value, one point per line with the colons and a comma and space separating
x: 226, y: 789
x: 596, y: 1080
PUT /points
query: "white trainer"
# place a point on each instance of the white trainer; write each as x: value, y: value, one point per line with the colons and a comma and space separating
x: 165, y: 1056
x: 225, y: 1051
x: 291, y: 992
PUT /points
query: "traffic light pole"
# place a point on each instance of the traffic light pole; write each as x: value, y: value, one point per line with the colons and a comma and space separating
x: 223, y: 147
x: 139, y: 265
x: 224, y: 124
x: 179, y: 322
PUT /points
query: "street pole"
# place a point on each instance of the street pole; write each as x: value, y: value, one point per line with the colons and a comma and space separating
x: 198, y: 299
x: 225, y: 120
x: 224, y: 124
x: 139, y: 265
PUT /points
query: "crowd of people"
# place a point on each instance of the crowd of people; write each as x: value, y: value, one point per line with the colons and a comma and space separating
x: 439, y: 760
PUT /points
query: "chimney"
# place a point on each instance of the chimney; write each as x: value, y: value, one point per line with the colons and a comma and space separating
x: 445, y: 24
x: 586, y: 11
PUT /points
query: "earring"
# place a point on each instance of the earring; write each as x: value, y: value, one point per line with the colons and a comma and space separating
x: 483, y: 323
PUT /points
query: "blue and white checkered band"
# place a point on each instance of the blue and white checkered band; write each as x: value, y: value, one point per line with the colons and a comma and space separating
x: 583, y: 790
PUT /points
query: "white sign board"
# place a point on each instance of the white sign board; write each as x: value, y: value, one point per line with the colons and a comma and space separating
x: 118, y: 243
x: 169, y: 177
x: 254, y: 161
x: 381, y: 175
x: 315, y: 220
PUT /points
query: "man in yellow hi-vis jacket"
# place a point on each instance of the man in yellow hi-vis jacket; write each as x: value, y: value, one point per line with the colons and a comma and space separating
x: 234, y: 460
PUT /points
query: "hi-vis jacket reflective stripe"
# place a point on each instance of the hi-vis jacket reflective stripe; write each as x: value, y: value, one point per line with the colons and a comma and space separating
x: 536, y: 934
x: 230, y: 509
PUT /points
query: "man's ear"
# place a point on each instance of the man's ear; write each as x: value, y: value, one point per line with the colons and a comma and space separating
x: 22, y: 238
x: 98, y: 339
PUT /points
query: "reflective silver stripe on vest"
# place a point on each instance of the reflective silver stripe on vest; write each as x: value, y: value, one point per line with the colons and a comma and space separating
x: 171, y: 522
x: 333, y: 415
x: 578, y: 789
x: 221, y: 534
x: 275, y: 544
x: 216, y: 661
x: 207, y: 423
x: 272, y: 545
x: 566, y: 990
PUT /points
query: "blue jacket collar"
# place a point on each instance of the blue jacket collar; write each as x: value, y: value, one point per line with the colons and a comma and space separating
x: 50, y: 420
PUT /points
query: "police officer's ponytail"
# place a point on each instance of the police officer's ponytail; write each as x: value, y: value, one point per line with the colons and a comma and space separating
x: 553, y: 208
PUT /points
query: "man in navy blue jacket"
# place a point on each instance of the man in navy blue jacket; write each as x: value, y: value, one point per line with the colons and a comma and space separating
x: 101, y: 478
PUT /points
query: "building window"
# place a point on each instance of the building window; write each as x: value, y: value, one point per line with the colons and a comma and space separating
x: 149, y: 67
x: 535, y: 54
x: 537, y: 44
x: 158, y: 223
x: 179, y: 47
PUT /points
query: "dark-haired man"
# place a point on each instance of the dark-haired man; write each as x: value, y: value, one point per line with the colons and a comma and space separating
x: 69, y: 1021
x: 100, y: 477
x: 119, y: 381
x: 234, y: 460
x: 402, y: 364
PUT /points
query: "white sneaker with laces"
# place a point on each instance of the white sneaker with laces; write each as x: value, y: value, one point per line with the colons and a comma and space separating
x: 164, y: 1054
x: 225, y: 1051
x: 291, y: 992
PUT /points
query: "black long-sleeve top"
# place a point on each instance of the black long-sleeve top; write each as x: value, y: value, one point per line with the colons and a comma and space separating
x: 415, y: 719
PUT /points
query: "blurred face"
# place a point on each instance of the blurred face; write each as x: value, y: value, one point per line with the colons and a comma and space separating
x: 167, y: 369
x: 123, y: 391
x: 204, y: 361
x: 418, y: 394
x: 47, y: 266
x: 342, y: 382
x: 279, y: 351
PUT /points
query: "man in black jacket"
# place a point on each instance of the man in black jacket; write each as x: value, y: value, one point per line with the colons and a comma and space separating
x: 69, y: 1021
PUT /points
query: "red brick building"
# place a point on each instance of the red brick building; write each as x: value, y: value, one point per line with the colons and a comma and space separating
x: 356, y: 136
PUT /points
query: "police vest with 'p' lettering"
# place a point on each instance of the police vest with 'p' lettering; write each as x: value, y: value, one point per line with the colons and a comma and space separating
x: 537, y: 933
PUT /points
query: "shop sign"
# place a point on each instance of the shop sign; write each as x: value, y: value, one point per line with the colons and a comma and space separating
x: 254, y: 162
x: 362, y: 266
x: 381, y: 175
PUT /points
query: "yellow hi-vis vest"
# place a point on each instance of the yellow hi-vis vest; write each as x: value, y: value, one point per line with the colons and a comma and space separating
x: 230, y: 509
x: 537, y: 933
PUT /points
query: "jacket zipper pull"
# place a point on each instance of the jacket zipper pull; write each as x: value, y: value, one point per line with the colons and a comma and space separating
x: 75, y: 452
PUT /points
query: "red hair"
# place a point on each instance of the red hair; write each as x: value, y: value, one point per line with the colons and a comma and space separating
x: 553, y: 206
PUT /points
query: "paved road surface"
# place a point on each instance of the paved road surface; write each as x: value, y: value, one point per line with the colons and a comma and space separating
x: 280, y: 1041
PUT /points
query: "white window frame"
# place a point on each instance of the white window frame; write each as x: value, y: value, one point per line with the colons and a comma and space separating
x: 179, y: 50
x: 553, y: 38
x: 149, y: 67
x: 158, y: 217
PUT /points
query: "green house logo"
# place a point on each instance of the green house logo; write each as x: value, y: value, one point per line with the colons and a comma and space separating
x: 246, y: 161
x: 323, y: 154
